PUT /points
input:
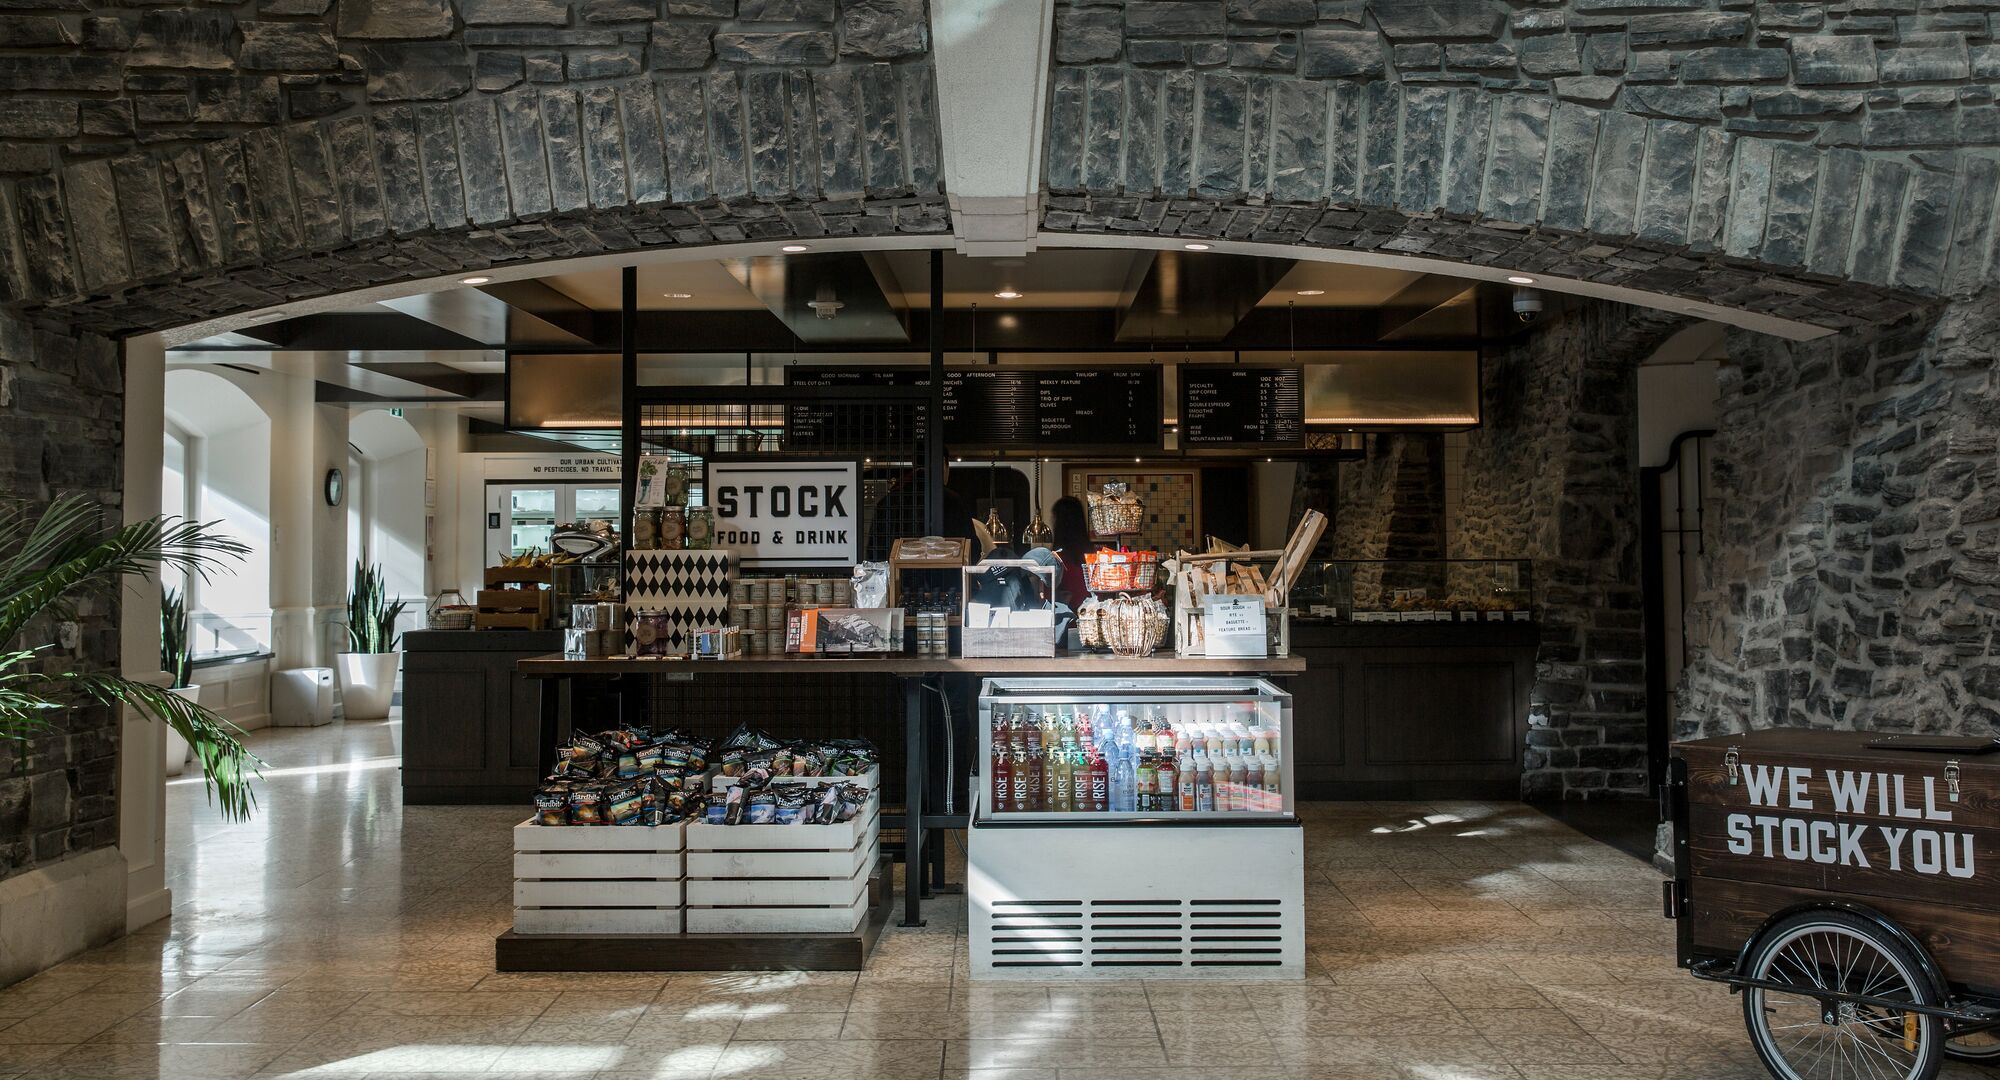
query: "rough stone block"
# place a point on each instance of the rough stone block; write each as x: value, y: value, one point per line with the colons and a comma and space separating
x: 1339, y: 54
x: 496, y: 71
x: 1520, y: 144
x: 1274, y: 12
x: 611, y: 11
x: 92, y: 200
x: 1169, y: 53
x: 1687, y: 28
x: 1822, y: 60
x: 1438, y: 20
x: 514, y: 12
x: 819, y: 11
x: 1421, y: 55
x: 1264, y: 55
x: 781, y: 49
x: 183, y: 39
x: 108, y: 33
x: 33, y: 31
x: 1926, y: 58
x: 287, y: 47
x: 393, y: 19
x: 1554, y: 54
x: 680, y: 46
x: 416, y: 72
x: 587, y: 64
x: 1174, y: 18
x: 1089, y: 35
x: 1797, y: 103
x: 1675, y: 102
x: 1484, y: 56
x: 1605, y: 54
x: 43, y: 118
x: 1733, y: 65
x: 1588, y: 89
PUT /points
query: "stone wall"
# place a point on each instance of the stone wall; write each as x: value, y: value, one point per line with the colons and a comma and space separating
x: 1552, y: 476
x: 164, y: 164
x: 61, y: 420
x: 1391, y: 506
x: 1852, y: 569
x: 1802, y: 159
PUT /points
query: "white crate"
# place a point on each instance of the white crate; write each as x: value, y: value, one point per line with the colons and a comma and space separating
x: 872, y: 780
x: 614, y: 879
x: 801, y: 879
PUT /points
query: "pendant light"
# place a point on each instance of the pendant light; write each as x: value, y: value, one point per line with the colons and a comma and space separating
x: 1036, y: 533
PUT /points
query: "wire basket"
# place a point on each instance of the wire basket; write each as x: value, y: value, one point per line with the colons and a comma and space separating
x: 444, y: 616
x: 1116, y: 515
x: 1119, y: 571
x: 1129, y: 626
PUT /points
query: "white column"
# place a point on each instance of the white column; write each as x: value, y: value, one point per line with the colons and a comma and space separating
x: 142, y: 782
x: 991, y: 59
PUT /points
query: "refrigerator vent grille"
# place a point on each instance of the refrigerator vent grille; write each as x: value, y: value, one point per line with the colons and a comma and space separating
x: 1222, y: 933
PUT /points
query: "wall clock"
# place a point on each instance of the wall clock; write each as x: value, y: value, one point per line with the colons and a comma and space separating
x: 336, y: 487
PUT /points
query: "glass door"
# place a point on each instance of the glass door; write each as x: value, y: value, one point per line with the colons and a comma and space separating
x: 590, y: 504
x: 520, y: 519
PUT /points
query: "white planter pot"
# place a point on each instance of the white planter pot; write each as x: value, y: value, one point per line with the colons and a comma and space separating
x: 367, y: 684
x: 178, y: 750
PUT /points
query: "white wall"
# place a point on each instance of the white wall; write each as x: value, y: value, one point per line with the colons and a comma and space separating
x: 395, y: 522
x: 234, y: 468
x: 1677, y: 389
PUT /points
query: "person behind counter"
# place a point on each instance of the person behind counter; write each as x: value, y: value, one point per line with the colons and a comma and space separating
x: 1072, y: 540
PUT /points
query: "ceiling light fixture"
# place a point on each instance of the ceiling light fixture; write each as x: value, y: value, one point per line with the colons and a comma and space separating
x: 678, y: 295
x: 795, y: 248
x: 1520, y: 279
x: 1195, y: 247
x: 1007, y: 294
x: 474, y: 280
x: 1312, y: 292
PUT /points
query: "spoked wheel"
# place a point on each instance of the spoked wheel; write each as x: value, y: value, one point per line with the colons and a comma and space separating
x: 1979, y: 1046
x: 1808, y: 1034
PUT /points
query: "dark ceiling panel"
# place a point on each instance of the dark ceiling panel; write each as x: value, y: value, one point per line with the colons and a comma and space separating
x: 518, y: 311
x: 1431, y: 307
x: 854, y: 286
x: 1196, y: 296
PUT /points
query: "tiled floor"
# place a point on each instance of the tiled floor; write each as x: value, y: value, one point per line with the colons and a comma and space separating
x: 341, y: 935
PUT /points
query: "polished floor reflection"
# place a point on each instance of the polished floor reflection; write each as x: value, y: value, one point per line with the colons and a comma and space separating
x: 341, y: 935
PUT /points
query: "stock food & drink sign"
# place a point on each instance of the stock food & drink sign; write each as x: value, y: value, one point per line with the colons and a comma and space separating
x: 794, y: 514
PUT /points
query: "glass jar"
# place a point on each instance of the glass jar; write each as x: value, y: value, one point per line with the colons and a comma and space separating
x: 673, y: 528
x: 700, y: 528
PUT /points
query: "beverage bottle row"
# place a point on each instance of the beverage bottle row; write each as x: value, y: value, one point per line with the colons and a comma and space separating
x: 1145, y: 759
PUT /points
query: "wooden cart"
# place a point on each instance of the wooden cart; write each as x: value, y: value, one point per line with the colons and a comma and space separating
x: 1850, y: 894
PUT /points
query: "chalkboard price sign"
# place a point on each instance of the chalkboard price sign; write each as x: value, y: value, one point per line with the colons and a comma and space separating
x: 1010, y: 408
x: 1238, y: 407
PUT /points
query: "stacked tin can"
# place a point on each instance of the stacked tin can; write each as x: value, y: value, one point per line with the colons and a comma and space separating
x: 595, y: 630
x: 933, y: 634
x: 757, y: 608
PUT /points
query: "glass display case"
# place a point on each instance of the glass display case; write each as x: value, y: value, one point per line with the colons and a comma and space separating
x: 1095, y: 750
x: 1417, y: 590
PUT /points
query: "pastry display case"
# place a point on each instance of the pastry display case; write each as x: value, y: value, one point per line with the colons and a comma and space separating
x: 1417, y: 590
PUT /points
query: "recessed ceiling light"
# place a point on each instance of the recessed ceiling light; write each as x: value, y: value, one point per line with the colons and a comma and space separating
x: 1520, y: 279
x: 1195, y: 247
x: 1007, y: 294
x: 678, y: 295
x: 795, y: 248
x: 474, y: 280
x: 1312, y: 292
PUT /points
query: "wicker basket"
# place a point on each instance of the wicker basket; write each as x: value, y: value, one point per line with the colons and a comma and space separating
x: 446, y: 616
x: 1117, y: 571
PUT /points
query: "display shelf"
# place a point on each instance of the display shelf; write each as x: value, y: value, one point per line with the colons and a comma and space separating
x: 556, y: 665
x: 782, y: 878
x: 609, y: 879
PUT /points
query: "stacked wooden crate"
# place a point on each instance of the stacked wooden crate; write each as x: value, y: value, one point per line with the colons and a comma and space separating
x: 516, y: 598
x: 617, y: 879
x: 785, y: 878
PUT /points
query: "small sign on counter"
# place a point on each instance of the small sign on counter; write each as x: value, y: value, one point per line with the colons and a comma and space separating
x: 1233, y: 625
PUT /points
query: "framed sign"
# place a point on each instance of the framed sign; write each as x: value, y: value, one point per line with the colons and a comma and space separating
x: 1234, y: 625
x: 787, y: 514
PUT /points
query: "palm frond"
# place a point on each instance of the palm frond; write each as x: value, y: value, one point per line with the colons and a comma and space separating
x: 226, y: 765
x: 85, y: 559
x: 23, y: 712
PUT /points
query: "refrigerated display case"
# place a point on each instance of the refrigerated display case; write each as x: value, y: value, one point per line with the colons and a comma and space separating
x: 1132, y: 827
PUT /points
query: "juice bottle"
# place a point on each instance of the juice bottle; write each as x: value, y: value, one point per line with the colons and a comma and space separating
x: 1002, y: 773
x: 1237, y: 778
x: 1169, y: 779
x: 1253, y: 783
x: 1038, y: 789
x: 1185, y: 769
x: 1147, y: 787
x: 1100, y: 783
x: 1020, y: 795
x: 1064, y: 800
x: 1204, y: 784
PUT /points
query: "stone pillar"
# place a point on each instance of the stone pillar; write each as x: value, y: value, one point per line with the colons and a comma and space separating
x: 1852, y: 569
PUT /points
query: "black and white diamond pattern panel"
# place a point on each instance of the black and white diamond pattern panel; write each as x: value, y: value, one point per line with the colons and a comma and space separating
x: 678, y: 593
x: 663, y: 578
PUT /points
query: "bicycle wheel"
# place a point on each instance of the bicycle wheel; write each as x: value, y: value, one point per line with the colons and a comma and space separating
x: 1808, y: 1034
x: 1982, y: 1047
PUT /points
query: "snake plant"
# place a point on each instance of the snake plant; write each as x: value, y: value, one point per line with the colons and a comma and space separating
x: 176, y: 657
x: 51, y: 557
x: 371, y: 618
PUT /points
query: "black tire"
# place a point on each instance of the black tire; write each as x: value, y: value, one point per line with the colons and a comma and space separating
x: 1833, y: 951
x: 1979, y: 1047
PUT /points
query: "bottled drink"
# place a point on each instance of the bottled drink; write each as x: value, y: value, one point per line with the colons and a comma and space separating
x: 1148, y: 781
x: 1037, y: 778
x: 1169, y: 780
x: 1064, y: 799
x: 1002, y: 772
x: 1253, y: 783
x: 1020, y: 790
x: 1185, y: 769
x: 1204, y: 785
x: 1237, y: 777
x: 1100, y: 783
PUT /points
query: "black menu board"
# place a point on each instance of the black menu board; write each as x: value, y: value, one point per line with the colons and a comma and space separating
x: 1239, y: 407
x: 1005, y: 408
x: 811, y: 425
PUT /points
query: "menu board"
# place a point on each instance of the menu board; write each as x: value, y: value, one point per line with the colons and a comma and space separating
x: 1005, y: 408
x: 1239, y: 407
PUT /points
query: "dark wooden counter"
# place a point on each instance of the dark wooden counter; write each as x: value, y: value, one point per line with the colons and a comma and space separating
x: 558, y: 666
x: 472, y: 725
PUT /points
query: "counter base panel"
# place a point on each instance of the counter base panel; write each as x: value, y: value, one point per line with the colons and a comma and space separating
x: 703, y: 952
x: 1107, y: 902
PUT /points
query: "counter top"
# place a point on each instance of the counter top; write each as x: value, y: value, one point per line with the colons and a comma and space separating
x: 533, y: 641
x: 557, y: 666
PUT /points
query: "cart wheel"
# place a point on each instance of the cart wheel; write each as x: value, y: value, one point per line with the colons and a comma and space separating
x: 1813, y: 1035
x: 1980, y: 1046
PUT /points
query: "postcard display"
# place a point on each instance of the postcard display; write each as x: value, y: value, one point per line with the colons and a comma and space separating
x: 1136, y: 827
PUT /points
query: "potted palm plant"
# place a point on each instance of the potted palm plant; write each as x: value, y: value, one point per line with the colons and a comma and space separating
x: 55, y: 556
x: 177, y: 660
x: 368, y: 669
